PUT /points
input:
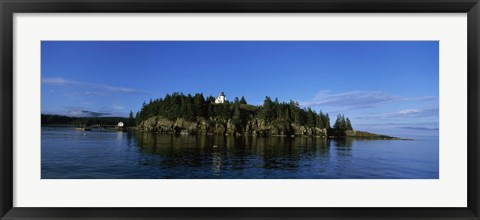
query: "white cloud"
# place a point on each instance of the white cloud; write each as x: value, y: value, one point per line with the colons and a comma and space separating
x: 357, y: 99
x: 118, y: 107
x: 85, y: 113
x: 92, y: 88
x: 408, y: 111
x: 405, y: 113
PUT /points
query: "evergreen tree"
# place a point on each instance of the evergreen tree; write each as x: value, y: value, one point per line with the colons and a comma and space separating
x: 342, y: 124
x: 338, y: 122
x: 267, y: 109
x: 210, y: 106
x: 188, y: 111
x: 131, y: 119
x: 138, y: 120
x: 237, y: 117
x: 299, y: 117
x: 243, y: 101
x: 327, y: 121
x: 319, y: 123
x: 199, y: 105
x: 349, y: 125
x: 279, y: 112
x: 287, y: 114
x: 311, y: 117
x: 227, y: 113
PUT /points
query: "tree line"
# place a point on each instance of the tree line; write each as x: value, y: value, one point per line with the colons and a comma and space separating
x: 48, y: 119
x: 191, y: 107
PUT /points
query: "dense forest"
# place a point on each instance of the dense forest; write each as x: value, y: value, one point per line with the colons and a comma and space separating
x: 238, y: 112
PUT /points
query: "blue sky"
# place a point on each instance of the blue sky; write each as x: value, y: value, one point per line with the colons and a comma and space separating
x: 386, y: 86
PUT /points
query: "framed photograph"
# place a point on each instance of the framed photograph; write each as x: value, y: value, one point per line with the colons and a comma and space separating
x: 231, y: 109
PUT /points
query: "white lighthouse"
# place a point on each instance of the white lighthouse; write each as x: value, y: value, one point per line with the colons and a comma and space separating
x: 220, y: 98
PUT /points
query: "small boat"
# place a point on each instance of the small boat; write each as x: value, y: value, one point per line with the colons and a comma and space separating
x: 83, y: 129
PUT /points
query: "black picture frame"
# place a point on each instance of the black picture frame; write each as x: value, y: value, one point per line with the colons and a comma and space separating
x: 9, y: 7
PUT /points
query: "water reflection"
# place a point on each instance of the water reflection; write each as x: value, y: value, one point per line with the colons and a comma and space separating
x: 119, y: 136
x: 69, y: 154
x: 343, y: 147
x: 232, y: 153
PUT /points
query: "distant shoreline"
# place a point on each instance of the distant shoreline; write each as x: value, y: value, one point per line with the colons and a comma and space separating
x: 135, y: 130
x: 253, y: 127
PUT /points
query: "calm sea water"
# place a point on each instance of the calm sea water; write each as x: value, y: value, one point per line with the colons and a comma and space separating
x: 71, y: 154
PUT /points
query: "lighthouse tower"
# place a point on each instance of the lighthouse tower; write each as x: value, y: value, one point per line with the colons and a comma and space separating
x: 220, y: 98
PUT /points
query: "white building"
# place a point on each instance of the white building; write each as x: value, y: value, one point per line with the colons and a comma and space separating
x: 120, y: 124
x: 220, y: 98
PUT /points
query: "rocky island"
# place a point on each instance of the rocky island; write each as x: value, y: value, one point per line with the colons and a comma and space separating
x: 194, y: 114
